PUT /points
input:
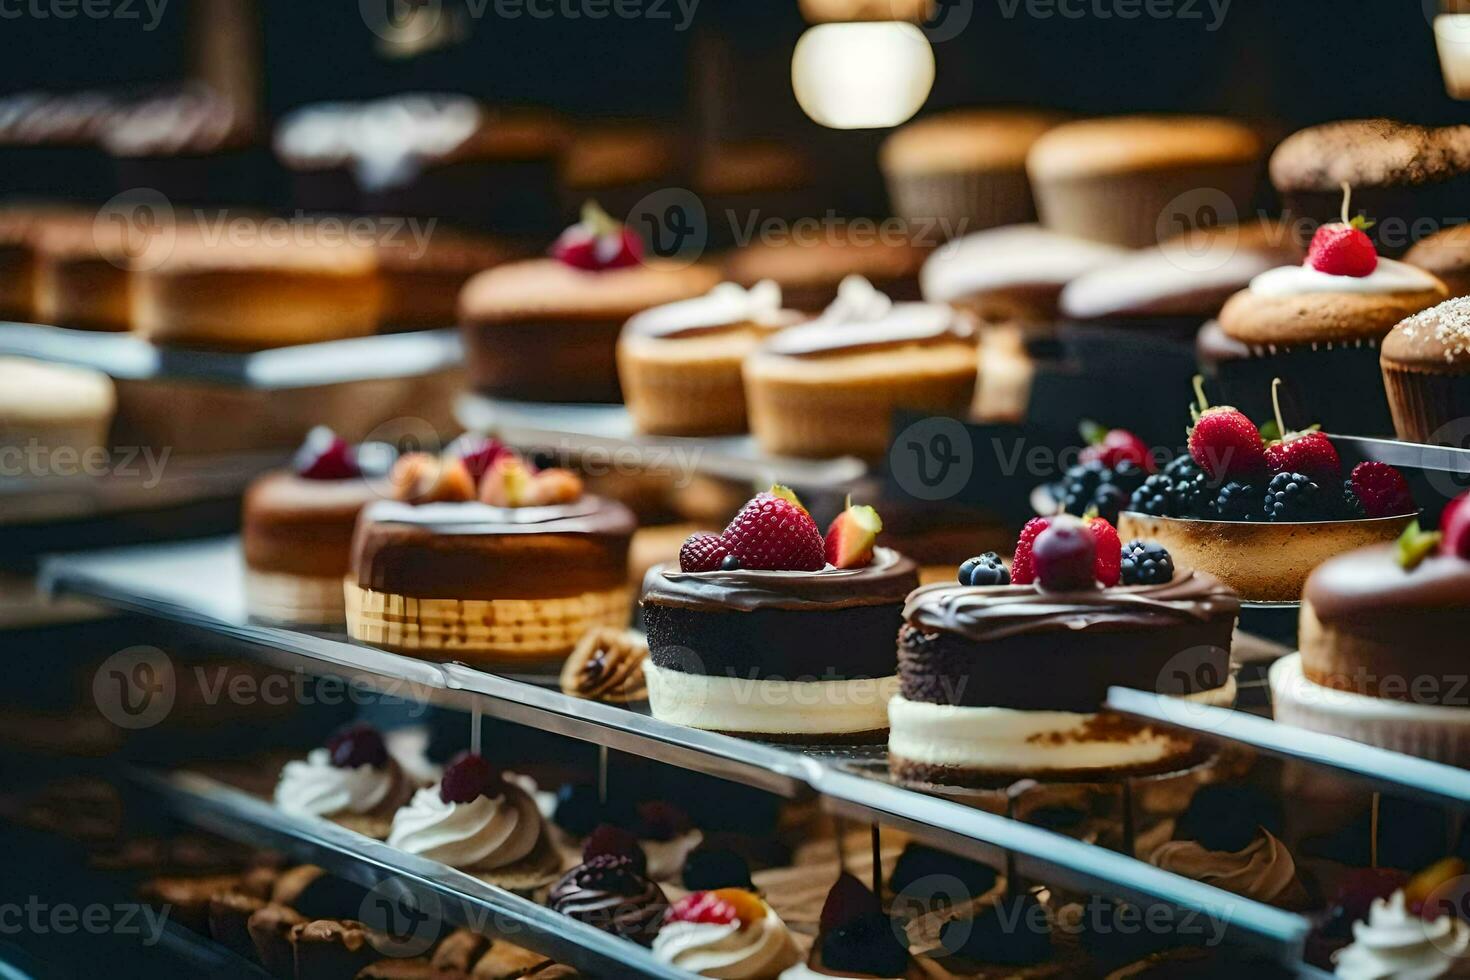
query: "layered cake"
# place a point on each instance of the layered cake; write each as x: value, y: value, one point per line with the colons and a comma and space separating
x: 1382, y: 642
x: 768, y: 631
x: 496, y: 565
x: 296, y: 532
x: 352, y: 781
x: 1079, y: 609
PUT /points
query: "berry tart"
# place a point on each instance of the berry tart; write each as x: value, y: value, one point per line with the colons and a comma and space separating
x: 352, y: 781
x: 856, y: 938
x: 1318, y: 325
x: 680, y: 362
x: 1081, y: 609
x: 611, y: 890
x: 730, y: 933
x: 771, y: 631
x: 478, y: 822
x: 830, y: 387
x: 547, y: 329
x: 1260, y: 515
x: 296, y: 532
x: 482, y: 558
x: 1382, y: 642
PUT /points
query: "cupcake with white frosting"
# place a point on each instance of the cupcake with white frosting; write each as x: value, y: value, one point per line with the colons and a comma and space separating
x: 352, y: 781
x: 477, y: 822
x: 729, y: 933
x: 1394, y: 942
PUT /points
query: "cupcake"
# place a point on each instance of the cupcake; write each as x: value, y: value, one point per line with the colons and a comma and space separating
x: 812, y: 260
x: 1120, y: 179
x: 1426, y: 370
x: 857, y: 938
x: 1318, y: 325
x: 352, y: 781
x: 1402, y: 174
x: 830, y: 387
x: 1445, y: 254
x: 477, y: 822
x: 730, y: 933
x: 680, y: 363
x: 547, y: 329
x: 1396, y: 942
x: 612, y: 893
x: 55, y: 407
x: 618, y: 164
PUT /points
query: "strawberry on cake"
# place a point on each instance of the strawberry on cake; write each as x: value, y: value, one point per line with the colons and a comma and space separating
x: 768, y: 630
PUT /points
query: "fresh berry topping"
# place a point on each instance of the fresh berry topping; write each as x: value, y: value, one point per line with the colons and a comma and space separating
x: 1224, y: 442
x: 852, y: 536
x: 1108, y: 549
x: 1293, y: 497
x: 1239, y: 501
x: 421, y: 478
x: 849, y: 901
x: 478, y: 454
x: 1454, y: 526
x: 1114, y: 446
x: 1065, y: 556
x: 597, y: 242
x: 1146, y: 563
x: 1195, y: 495
x: 1342, y: 250
x: 661, y: 821
x: 1382, y: 489
x: 730, y: 564
x: 1155, y: 497
x: 703, y: 552
x: 1309, y: 453
x: 468, y: 777
x: 1181, y: 467
x: 578, y: 808
x: 325, y: 456
x: 1415, y: 545
x: 608, y: 840
x: 1128, y: 476
x: 1023, y: 572
x: 358, y: 745
x: 1349, y: 507
x: 986, y: 569
x: 508, y: 483
x: 789, y: 495
x: 1108, y: 502
x: 772, y: 533
x: 704, y: 908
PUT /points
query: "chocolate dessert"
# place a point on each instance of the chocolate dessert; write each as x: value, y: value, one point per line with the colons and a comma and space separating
x: 610, y: 892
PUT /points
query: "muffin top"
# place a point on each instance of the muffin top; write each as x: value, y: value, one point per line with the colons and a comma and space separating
x: 1013, y: 257
x: 619, y: 153
x: 964, y: 139
x: 1369, y: 153
x: 1297, y: 305
x: 1445, y: 253
x: 1123, y: 144
x: 550, y: 289
x: 1438, y: 338
x: 272, y: 244
x: 826, y: 255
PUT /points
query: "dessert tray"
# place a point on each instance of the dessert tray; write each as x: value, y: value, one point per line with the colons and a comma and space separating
x: 198, y: 584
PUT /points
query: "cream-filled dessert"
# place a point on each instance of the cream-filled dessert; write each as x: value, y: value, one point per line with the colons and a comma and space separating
x: 730, y: 933
x: 1395, y: 942
x: 477, y: 822
x: 352, y: 781
x: 1082, y: 611
x: 768, y: 630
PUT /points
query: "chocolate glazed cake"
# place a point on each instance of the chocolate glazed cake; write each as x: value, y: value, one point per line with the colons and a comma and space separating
x: 800, y: 656
x: 1003, y: 681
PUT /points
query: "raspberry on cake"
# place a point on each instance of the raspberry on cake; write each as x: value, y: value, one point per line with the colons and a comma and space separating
x: 769, y: 631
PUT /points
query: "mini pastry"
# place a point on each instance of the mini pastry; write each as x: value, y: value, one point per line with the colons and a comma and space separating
x: 187, y: 898
x: 1381, y: 628
x: 353, y: 782
x: 422, y: 278
x: 1446, y: 256
x: 610, y: 892
x: 1317, y: 326
x: 270, y: 930
x: 1394, y: 942
x: 1425, y: 362
x: 811, y: 262
x: 547, y: 329
x: 57, y: 408
x: 758, y: 625
x: 515, y: 577
x: 477, y: 822
x: 830, y: 387
x: 296, y: 533
x: 607, y: 665
x: 1119, y: 180
x: 857, y: 939
x: 680, y: 363
x: 963, y: 718
x: 284, y: 285
x: 728, y: 933
x: 330, y: 948
x: 82, y: 271
x: 964, y: 170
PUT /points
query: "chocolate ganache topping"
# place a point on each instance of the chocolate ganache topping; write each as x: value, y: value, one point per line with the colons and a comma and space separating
x: 609, y: 893
x: 1362, y: 586
x: 988, y: 613
x: 589, y: 515
x: 886, y: 580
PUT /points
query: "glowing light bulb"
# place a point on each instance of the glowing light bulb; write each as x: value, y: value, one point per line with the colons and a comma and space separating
x: 862, y: 75
x: 1452, y: 38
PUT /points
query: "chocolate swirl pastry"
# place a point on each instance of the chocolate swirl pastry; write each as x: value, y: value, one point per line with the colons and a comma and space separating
x: 609, y: 894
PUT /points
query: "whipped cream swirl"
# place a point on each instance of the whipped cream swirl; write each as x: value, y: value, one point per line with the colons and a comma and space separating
x: 314, y: 787
x: 726, y: 305
x: 1395, y: 943
x: 861, y: 316
x: 760, y: 950
x: 487, y: 833
x: 1389, y: 277
x: 1264, y: 871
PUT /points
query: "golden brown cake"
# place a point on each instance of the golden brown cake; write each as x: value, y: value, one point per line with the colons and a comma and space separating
x: 1116, y: 179
x: 812, y: 260
x: 55, y: 407
x: 82, y: 277
x: 19, y: 226
x: 1426, y: 370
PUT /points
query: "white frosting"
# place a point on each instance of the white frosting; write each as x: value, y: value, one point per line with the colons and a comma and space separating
x: 1007, y: 739
x: 734, y: 704
x: 803, y: 972
x: 727, y: 304
x: 470, y: 515
x: 1160, y: 274
x: 314, y: 787
x: 1395, y: 943
x: 484, y: 834
x: 761, y: 950
x: 1296, y: 280
x: 861, y: 316
x: 1017, y: 255
x: 857, y: 301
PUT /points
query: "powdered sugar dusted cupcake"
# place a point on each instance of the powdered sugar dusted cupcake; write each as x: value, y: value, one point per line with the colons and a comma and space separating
x: 1426, y: 369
